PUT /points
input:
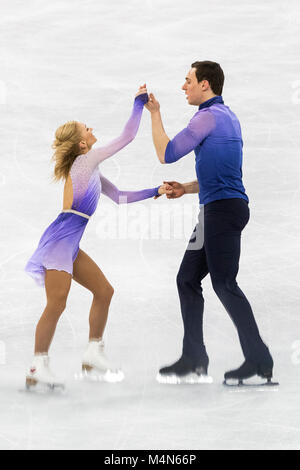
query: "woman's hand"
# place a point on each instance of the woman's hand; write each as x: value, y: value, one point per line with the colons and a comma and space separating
x: 163, y: 189
x: 142, y: 90
x: 153, y: 105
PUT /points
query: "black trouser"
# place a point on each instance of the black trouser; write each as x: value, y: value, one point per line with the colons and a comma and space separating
x: 215, y: 249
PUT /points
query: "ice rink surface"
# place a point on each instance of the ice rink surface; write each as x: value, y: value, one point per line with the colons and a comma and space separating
x: 83, y: 60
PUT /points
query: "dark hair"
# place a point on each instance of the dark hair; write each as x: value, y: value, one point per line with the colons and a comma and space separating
x: 212, y: 72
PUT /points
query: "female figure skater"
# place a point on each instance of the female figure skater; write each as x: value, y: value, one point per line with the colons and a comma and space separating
x: 58, y: 257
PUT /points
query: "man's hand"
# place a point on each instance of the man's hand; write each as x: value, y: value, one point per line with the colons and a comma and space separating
x: 153, y: 105
x: 172, y: 189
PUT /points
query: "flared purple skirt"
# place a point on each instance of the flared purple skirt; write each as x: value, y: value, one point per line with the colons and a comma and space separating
x: 58, y: 247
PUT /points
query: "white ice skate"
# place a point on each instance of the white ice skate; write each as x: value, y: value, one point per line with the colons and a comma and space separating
x: 40, y: 374
x: 97, y: 367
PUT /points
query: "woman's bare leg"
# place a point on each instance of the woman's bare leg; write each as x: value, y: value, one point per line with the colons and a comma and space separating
x: 89, y: 275
x: 57, y: 284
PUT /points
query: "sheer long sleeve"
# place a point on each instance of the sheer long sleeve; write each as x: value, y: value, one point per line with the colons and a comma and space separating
x: 125, y: 197
x: 199, y: 127
x: 97, y: 155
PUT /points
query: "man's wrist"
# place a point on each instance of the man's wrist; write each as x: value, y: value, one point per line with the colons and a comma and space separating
x: 191, y: 188
x: 155, y: 114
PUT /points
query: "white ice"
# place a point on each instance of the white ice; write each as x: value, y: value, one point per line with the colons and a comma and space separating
x: 84, y: 60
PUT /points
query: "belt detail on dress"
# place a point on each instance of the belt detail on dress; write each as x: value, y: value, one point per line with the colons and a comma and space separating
x: 76, y: 212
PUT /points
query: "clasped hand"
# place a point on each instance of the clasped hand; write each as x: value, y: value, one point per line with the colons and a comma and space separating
x: 152, y: 105
x: 172, y: 190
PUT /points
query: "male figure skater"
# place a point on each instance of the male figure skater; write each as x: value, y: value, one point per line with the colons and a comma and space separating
x: 214, y: 134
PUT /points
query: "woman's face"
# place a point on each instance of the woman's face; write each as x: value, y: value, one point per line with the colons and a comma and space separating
x: 88, y: 138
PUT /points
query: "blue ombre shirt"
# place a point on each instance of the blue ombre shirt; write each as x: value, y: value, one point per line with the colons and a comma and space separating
x: 214, y: 133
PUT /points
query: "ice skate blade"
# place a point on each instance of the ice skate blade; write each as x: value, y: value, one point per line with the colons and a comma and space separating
x: 186, y: 379
x: 42, y: 387
x: 239, y: 383
x: 93, y: 375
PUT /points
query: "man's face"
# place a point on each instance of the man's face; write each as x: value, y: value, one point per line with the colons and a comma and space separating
x: 194, y: 90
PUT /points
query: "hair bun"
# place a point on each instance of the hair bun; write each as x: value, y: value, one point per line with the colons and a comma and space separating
x: 66, y: 146
x: 56, y: 143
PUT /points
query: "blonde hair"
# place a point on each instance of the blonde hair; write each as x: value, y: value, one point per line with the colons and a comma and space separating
x: 66, y: 146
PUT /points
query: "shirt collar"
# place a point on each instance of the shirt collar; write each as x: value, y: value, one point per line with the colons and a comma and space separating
x: 211, y: 101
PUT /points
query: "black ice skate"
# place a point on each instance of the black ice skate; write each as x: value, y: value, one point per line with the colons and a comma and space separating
x: 246, y: 371
x: 184, y: 371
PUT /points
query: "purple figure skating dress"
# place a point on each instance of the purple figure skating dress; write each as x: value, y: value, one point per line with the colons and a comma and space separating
x: 59, y: 244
